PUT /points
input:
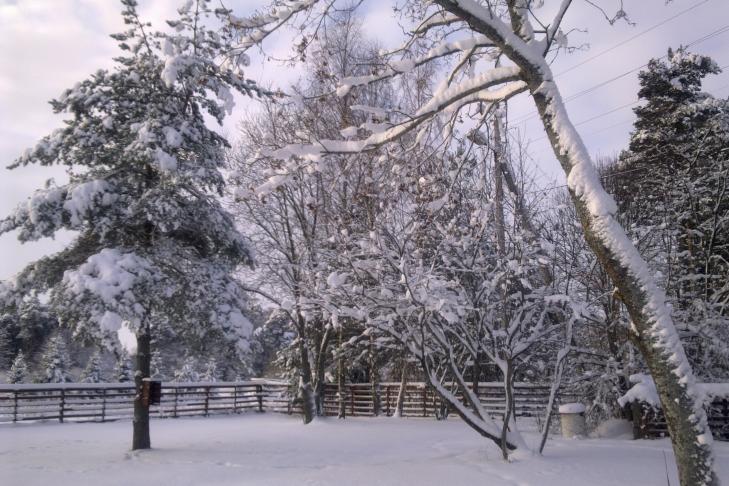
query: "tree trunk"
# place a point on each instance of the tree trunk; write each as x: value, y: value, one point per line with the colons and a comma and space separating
x: 341, y: 377
x: 400, y: 404
x: 374, y: 379
x: 508, y: 406
x: 652, y: 323
x: 656, y: 334
x: 306, y: 391
x: 140, y: 422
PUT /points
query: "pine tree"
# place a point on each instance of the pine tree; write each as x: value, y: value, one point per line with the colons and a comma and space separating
x: 55, y: 361
x: 671, y: 186
x: 19, y: 370
x: 92, y: 373
x: 123, y: 368
x: 154, y: 244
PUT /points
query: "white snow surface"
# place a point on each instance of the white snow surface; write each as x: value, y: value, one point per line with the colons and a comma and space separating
x: 270, y: 449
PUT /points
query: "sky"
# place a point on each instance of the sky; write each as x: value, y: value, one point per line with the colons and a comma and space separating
x: 47, y: 46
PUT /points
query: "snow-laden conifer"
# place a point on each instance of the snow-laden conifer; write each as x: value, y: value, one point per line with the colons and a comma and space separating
x: 18, y: 370
x: 154, y: 243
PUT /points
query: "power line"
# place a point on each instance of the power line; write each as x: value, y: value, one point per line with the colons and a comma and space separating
x: 719, y: 31
x: 630, y: 39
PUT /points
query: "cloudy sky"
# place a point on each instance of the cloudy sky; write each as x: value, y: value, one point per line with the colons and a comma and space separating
x: 47, y: 46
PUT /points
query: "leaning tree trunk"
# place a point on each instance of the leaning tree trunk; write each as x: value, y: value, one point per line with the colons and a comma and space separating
x: 653, y: 326
x: 655, y: 332
x: 140, y: 422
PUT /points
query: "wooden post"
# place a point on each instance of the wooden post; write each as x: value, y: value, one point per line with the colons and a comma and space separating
x: 235, y: 399
x: 62, y: 405
x: 387, y: 400
x: 351, y: 400
x: 103, y: 404
x: 174, y: 407
x: 207, y: 400
x: 259, y: 396
x: 425, y: 400
x: 15, y: 405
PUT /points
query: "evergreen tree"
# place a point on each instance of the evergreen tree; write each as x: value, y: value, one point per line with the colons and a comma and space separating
x: 123, y: 368
x: 92, y: 373
x: 672, y: 189
x: 188, y: 372
x: 7, y: 342
x: 156, y: 365
x: 19, y: 370
x: 154, y: 243
x: 55, y: 361
x: 212, y: 372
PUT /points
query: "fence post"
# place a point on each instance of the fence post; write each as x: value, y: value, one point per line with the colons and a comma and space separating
x: 103, y: 404
x: 387, y: 399
x: 235, y: 398
x: 259, y: 396
x: 62, y: 405
x: 351, y: 400
x: 174, y: 407
x: 15, y: 405
x: 207, y: 399
x: 425, y: 400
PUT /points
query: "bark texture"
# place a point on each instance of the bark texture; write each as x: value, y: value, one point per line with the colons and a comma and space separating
x: 140, y: 422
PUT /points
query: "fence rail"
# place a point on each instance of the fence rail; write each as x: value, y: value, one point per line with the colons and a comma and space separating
x: 104, y: 402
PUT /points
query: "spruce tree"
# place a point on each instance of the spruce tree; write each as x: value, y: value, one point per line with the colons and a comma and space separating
x: 7, y: 342
x: 55, y: 361
x: 188, y: 371
x: 92, y: 373
x: 155, y: 245
x: 123, y: 368
x: 19, y: 370
x: 212, y: 372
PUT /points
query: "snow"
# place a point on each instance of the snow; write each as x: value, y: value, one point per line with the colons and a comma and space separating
x: 269, y: 449
x: 572, y: 408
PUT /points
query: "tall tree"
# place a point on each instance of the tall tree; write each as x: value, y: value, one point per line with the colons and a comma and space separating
x: 154, y: 245
x: 505, y: 30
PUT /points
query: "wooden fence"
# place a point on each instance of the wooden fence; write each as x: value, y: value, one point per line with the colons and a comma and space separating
x: 104, y: 402
x: 650, y: 423
x: 421, y: 401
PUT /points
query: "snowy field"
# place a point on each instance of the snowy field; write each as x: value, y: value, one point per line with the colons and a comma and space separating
x: 279, y: 450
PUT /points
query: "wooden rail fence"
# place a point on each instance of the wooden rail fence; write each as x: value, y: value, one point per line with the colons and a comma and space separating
x: 104, y: 402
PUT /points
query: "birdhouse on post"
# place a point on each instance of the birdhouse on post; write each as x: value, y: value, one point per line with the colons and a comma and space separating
x: 151, y: 392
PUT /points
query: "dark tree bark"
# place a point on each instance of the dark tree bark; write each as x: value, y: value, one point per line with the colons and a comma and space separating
x: 140, y: 422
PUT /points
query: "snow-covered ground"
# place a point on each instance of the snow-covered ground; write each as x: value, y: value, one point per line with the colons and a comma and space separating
x: 278, y: 450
